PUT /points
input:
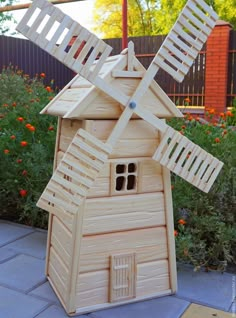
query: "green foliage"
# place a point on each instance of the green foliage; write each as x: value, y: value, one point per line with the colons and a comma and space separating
x: 149, y: 17
x: 5, y: 16
x: 205, y: 223
x: 26, y: 145
x: 141, y: 17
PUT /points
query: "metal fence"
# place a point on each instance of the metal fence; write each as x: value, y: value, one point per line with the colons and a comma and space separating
x: 32, y: 60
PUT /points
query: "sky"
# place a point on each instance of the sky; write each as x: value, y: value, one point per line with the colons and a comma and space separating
x: 80, y: 11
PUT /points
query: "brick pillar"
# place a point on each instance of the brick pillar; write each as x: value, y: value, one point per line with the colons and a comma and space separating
x: 216, y: 74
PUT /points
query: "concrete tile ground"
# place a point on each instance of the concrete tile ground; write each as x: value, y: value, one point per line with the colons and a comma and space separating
x: 25, y: 293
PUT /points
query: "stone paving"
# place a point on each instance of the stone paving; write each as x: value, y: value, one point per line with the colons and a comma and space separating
x: 25, y: 292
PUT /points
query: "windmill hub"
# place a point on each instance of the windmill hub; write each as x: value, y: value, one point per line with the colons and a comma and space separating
x: 132, y: 105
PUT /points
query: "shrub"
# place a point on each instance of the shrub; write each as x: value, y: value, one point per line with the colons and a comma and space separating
x: 26, y: 145
x: 207, y: 237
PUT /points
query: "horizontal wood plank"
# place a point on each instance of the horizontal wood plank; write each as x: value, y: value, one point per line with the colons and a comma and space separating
x: 61, y: 240
x: 92, y: 288
x: 123, y: 212
x: 149, y: 244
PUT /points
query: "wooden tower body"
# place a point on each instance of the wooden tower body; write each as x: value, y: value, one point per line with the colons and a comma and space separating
x: 111, y: 235
x: 118, y: 247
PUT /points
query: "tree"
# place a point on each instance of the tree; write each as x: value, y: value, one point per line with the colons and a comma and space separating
x: 108, y: 17
x: 5, y: 17
x: 149, y: 17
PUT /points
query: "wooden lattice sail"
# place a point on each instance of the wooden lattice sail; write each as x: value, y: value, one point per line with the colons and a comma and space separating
x: 75, y: 174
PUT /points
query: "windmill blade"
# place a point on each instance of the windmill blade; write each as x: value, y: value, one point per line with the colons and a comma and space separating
x: 75, y: 174
x: 79, y: 168
x: 52, y: 30
x: 185, y: 40
x: 187, y: 160
x: 182, y: 45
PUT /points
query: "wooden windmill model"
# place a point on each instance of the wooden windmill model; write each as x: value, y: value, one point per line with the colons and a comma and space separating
x: 110, y: 238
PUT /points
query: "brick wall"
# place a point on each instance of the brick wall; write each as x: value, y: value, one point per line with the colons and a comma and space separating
x: 216, y: 75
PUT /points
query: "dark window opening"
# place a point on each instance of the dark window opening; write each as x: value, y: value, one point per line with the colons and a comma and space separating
x: 120, y: 182
x: 131, y: 182
x: 120, y: 168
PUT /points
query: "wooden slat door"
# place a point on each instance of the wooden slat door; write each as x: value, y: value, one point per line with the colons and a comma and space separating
x: 123, y: 277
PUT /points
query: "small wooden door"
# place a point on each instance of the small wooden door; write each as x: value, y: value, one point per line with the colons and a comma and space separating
x: 122, y: 277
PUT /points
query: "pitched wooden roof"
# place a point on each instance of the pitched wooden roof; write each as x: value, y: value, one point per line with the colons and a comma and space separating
x: 81, y: 99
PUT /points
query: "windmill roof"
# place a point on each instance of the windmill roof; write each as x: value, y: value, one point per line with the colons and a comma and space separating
x: 81, y: 99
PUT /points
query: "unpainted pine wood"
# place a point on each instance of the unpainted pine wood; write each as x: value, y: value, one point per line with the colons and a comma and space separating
x: 158, y: 101
x: 89, y: 309
x: 111, y: 214
x: 58, y: 274
x: 129, y: 74
x: 100, y: 188
x: 170, y: 229
x: 149, y: 244
x: 61, y: 240
x: 92, y: 288
x: 123, y: 274
x: 149, y: 176
x: 75, y: 264
x: 131, y: 55
x: 136, y: 129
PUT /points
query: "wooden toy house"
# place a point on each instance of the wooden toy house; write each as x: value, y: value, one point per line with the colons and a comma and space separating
x: 111, y: 235
x: 126, y: 218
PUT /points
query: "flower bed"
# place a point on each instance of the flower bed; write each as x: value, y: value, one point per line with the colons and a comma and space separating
x: 205, y: 228
x: 26, y: 145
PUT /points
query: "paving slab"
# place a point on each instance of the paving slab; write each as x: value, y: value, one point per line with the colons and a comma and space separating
x: 14, y: 304
x: 10, y: 232
x: 33, y: 244
x: 57, y: 312
x: 198, y: 311
x: 6, y: 254
x: 211, y: 289
x: 46, y: 292
x: 22, y: 273
x: 163, y: 307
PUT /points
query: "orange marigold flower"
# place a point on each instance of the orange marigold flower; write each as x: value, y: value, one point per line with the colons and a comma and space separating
x: 24, y: 143
x: 6, y: 151
x: 190, y: 118
x: 217, y: 140
x: 23, y: 193
x: 28, y: 126
x: 197, y: 118
x: 43, y: 75
x: 224, y: 132
x: 214, y: 124
x: 50, y: 128
x: 212, y: 111
x: 32, y: 100
x: 14, y: 104
x: 48, y: 89
x: 187, y: 100
x: 19, y: 160
x: 20, y: 119
x: 182, y: 221
x: 222, y: 115
x: 50, y: 97
x: 5, y: 105
x: 229, y: 113
x: 32, y: 128
x: 175, y: 233
x: 183, y: 127
x: 13, y: 137
x: 222, y: 126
